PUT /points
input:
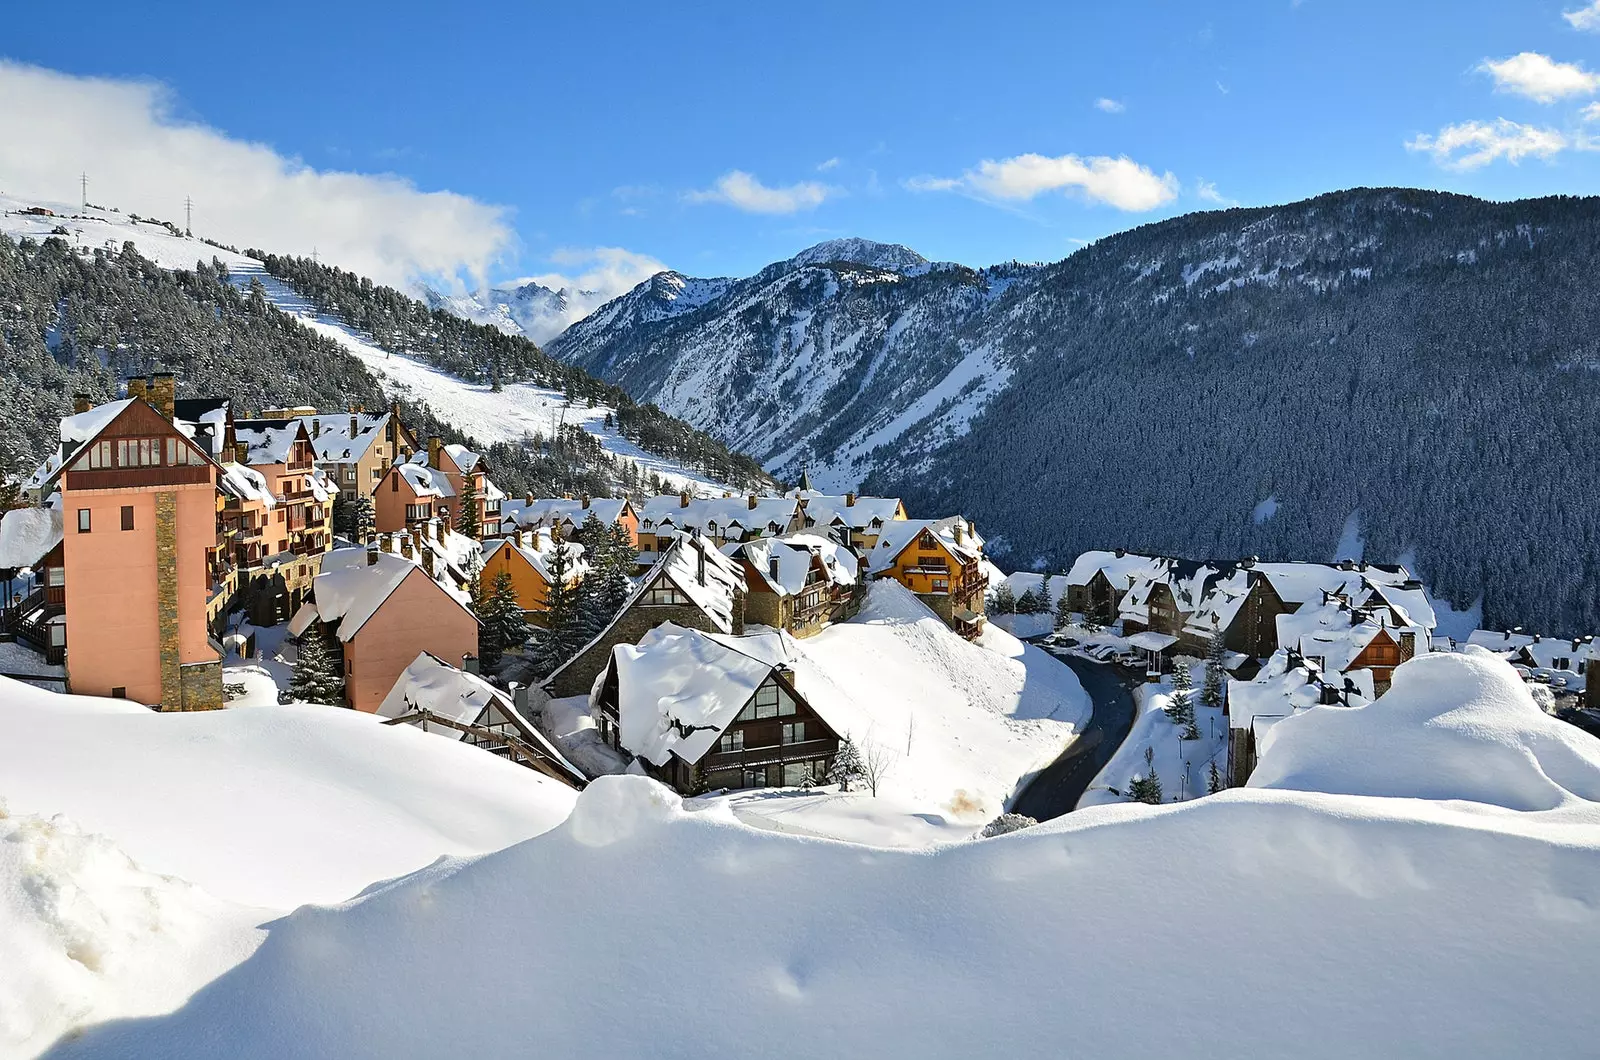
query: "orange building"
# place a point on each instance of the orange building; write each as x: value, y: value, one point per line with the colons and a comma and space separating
x: 384, y: 611
x: 412, y: 493
x: 140, y: 555
x: 939, y: 560
x: 526, y: 558
x: 468, y: 473
x: 300, y: 519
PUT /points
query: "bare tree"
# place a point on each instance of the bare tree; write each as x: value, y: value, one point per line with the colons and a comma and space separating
x: 876, y: 762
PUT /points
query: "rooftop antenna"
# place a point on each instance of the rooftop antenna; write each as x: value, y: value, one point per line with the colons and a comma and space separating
x: 188, y: 216
x: 83, y: 185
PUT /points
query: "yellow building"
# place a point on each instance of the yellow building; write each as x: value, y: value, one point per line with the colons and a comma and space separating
x: 526, y: 558
x: 939, y: 560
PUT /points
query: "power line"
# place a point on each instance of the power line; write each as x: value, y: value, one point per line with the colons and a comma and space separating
x: 188, y: 216
x: 83, y: 184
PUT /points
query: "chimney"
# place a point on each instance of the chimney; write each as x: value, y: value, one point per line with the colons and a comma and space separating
x: 960, y: 531
x: 583, y: 502
x: 137, y: 388
x: 438, y: 529
x: 386, y: 542
x: 519, y: 697
x: 372, y: 555
x: 683, y: 498
x: 1249, y: 562
x: 405, y: 545
x: 849, y: 500
x: 752, y: 502
x: 772, y: 567
x: 517, y: 538
x: 527, y: 501
x: 81, y: 403
x: 355, y: 427
x: 469, y: 663
x: 427, y: 561
x: 316, y: 427
x: 435, y: 451
x: 1120, y: 553
x: 163, y: 392
x: 241, y: 451
x: 700, y: 567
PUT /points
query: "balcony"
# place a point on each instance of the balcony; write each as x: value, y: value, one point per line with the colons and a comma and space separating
x: 762, y: 756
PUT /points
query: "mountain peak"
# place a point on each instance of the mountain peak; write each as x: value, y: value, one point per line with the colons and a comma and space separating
x: 861, y: 252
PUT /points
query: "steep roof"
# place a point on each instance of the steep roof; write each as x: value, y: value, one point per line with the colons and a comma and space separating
x: 335, y: 442
x: 465, y: 459
x: 76, y: 430
x: 548, y: 511
x: 349, y: 591
x: 795, y: 554
x: 267, y: 441
x: 900, y: 534
x: 539, y: 551
x: 861, y: 515
x: 716, y: 515
x: 425, y: 481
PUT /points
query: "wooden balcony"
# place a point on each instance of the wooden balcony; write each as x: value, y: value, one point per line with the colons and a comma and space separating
x: 763, y: 756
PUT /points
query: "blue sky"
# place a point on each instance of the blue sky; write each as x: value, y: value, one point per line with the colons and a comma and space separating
x: 629, y: 126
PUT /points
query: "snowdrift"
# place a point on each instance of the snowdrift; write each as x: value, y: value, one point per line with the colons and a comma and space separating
x: 1269, y: 923
x: 266, y: 806
x: 1452, y: 726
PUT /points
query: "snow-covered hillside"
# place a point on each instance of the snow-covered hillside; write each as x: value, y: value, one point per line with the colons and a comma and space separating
x: 519, y: 409
x: 1267, y: 921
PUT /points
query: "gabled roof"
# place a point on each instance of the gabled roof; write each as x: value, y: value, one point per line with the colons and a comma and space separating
x: 538, y: 554
x: 716, y: 515
x: 549, y: 511
x: 268, y: 441
x: 27, y: 535
x: 349, y: 591
x: 861, y: 515
x: 205, y: 420
x: 246, y: 483
x: 464, y: 459
x: 424, y: 481
x: 78, y: 430
x: 334, y: 441
x: 796, y: 554
x: 679, y: 688
x: 901, y: 534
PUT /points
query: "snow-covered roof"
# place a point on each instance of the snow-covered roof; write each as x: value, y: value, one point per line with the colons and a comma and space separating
x: 1121, y: 570
x: 75, y: 431
x: 335, y: 442
x: 898, y: 535
x: 204, y: 420
x: 350, y: 590
x: 549, y: 511
x: 795, y: 554
x: 465, y: 459
x: 863, y: 514
x: 27, y: 535
x: 246, y: 483
x: 425, y: 481
x: 1298, y: 583
x: 267, y: 441
x: 678, y: 688
x: 745, y: 516
x: 538, y: 552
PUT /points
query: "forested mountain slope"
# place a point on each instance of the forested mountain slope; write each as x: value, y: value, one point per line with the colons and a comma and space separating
x: 1219, y: 384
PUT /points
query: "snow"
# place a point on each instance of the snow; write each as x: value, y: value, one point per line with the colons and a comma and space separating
x: 1452, y: 726
x: 27, y: 535
x: 1351, y: 544
x: 350, y: 591
x: 1182, y: 765
x: 1264, y: 511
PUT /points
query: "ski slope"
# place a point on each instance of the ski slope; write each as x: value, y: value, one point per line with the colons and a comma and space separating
x: 520, y: 409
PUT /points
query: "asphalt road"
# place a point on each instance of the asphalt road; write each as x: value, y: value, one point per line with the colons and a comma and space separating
x: 1056, y: 790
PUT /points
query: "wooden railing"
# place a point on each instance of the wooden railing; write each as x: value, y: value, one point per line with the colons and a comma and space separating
x: 762, y: 756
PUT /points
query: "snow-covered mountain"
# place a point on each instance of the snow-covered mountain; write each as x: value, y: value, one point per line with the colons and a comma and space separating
x: 526, y: 308
x: 1406, y: 363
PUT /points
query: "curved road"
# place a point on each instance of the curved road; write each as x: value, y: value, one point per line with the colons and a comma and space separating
x: 1056, y: 790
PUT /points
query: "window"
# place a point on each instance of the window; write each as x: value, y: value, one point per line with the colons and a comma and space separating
x: 100, y: 455
x: 415, y: 513
x: 794, y: 732
x: 349, y: 666
x: 83, y: 520
x: 394, y: 483
x: 664, y: 593
x: 56, y: 576
x: 733, y: 741
x: 127, y: 517
x: 119, y: 692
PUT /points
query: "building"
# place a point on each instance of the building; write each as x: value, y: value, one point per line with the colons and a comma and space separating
x: 720, y: 520
x: 33, y: 580
x: 1566, y: 663
x: 383, y: 611
x: 798, y: 583
x: 437, y: 697
x: 355, y: 449
x: 942, y: 562
x: 704, y: 711
x: 855, y: 520
x: 468, y: 475
x: 1099, y: 580
x: 300, y: 519
x: 525, y: 557
x: 141, y: 556
x: 692, y: 585
x: 563, y: 515
x: 412, y: 492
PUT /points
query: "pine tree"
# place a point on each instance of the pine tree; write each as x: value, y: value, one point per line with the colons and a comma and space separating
x: 1005, y: 601
x: 1214, y: 781
x: 1063, y: 613
x: 847, y: 768
x: 1212, y: 694
x: 1045, y: 606
x: 502, y: 625
x: 1027, y: 603
x: 318, y: 676
x: 467, y: 521
x: 562, y: 629
x: 1146, y: 787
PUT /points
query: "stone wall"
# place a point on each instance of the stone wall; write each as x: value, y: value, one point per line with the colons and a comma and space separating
x: 202, y: 686
x: 167, y: 600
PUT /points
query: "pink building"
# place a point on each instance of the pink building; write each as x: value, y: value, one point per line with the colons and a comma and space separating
x: 384, y: 610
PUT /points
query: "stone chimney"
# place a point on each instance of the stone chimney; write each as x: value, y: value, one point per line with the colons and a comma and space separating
x: 752, y: 502
x: 163, y: 392
x: 1249, y: 562
x: 241, y: 452
x: 772, y: 567
x: 517, y: 537
x: 700, y: 565
x: 1121, y: 552
x: 405, y: 545
x: 372, y: 555
x: 355, y: 427
x: 850, y: 500
x: 386, y: 542
x: 683, y: 498
x: 438, y: 529
x: 137, y: 388
x: 435, y: 451
x: 959, y: 530
x: 316, y: 427
x: 583, y: 502
x: 527, y: 501
x: 81, y: 403
x: 427, y: 561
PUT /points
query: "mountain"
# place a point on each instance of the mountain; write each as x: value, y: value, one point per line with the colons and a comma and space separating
x: 90, y: 296
x: 1408, y: 373
x: 527, y: 308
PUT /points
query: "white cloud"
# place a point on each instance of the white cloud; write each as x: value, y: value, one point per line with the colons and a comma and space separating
x: 1119, y: 182
x: 1110, y: 106
x: 1585, y: 18
x: 832, y: 163
x: 1591, y: 112
x: 1207, y: 190
x: 143, y: 159
x: 1539, y: 77
x: 591, y: 277
x: 743, y: 191
x: 1473, y: 144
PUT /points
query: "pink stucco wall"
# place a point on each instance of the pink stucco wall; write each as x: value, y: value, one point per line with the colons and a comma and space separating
x: 417, y: 617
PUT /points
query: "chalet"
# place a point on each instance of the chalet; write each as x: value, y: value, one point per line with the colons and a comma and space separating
x: 526, y: 558
x: 460, y: 705
x: 468, y: 475
x: 412, y: 492
x: 280, y: 451
x: 1098, y: 581
x: 1286, y: 685
x: 1188, y: 604
x: 1569, y: 661
x: 140, y: 554
x: 704, y: 711
x: 355, y: 449
x: 692, y: 585
x: 32, y: 570
x: 942, y: 562
x: 383, y: 610
x: 563, y: 515
x: 721, y: 520
x: 855, y: 520
x: 798, y: 583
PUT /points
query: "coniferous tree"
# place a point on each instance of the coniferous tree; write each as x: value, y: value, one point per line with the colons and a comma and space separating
x: 1045, y: 606
x: 318, y: 673
x: 1212, y: 692
x: 1063, y: 612
x: 847, y: 767
x: 1027, y: 603
x: 467, y: 521
x: 1146, y: 787
x: 1005, y: 601
x: 1214, y: 781
x: 563, y: 631
x: 502, y: 625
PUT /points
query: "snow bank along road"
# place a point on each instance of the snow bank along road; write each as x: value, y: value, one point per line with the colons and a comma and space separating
x: 1057, y: 789
x: 1417, y: 878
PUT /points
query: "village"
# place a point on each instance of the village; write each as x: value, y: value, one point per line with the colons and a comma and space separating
x: 187, y: 555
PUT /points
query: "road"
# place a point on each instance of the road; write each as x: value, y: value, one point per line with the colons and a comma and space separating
x: 1056, y: 790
